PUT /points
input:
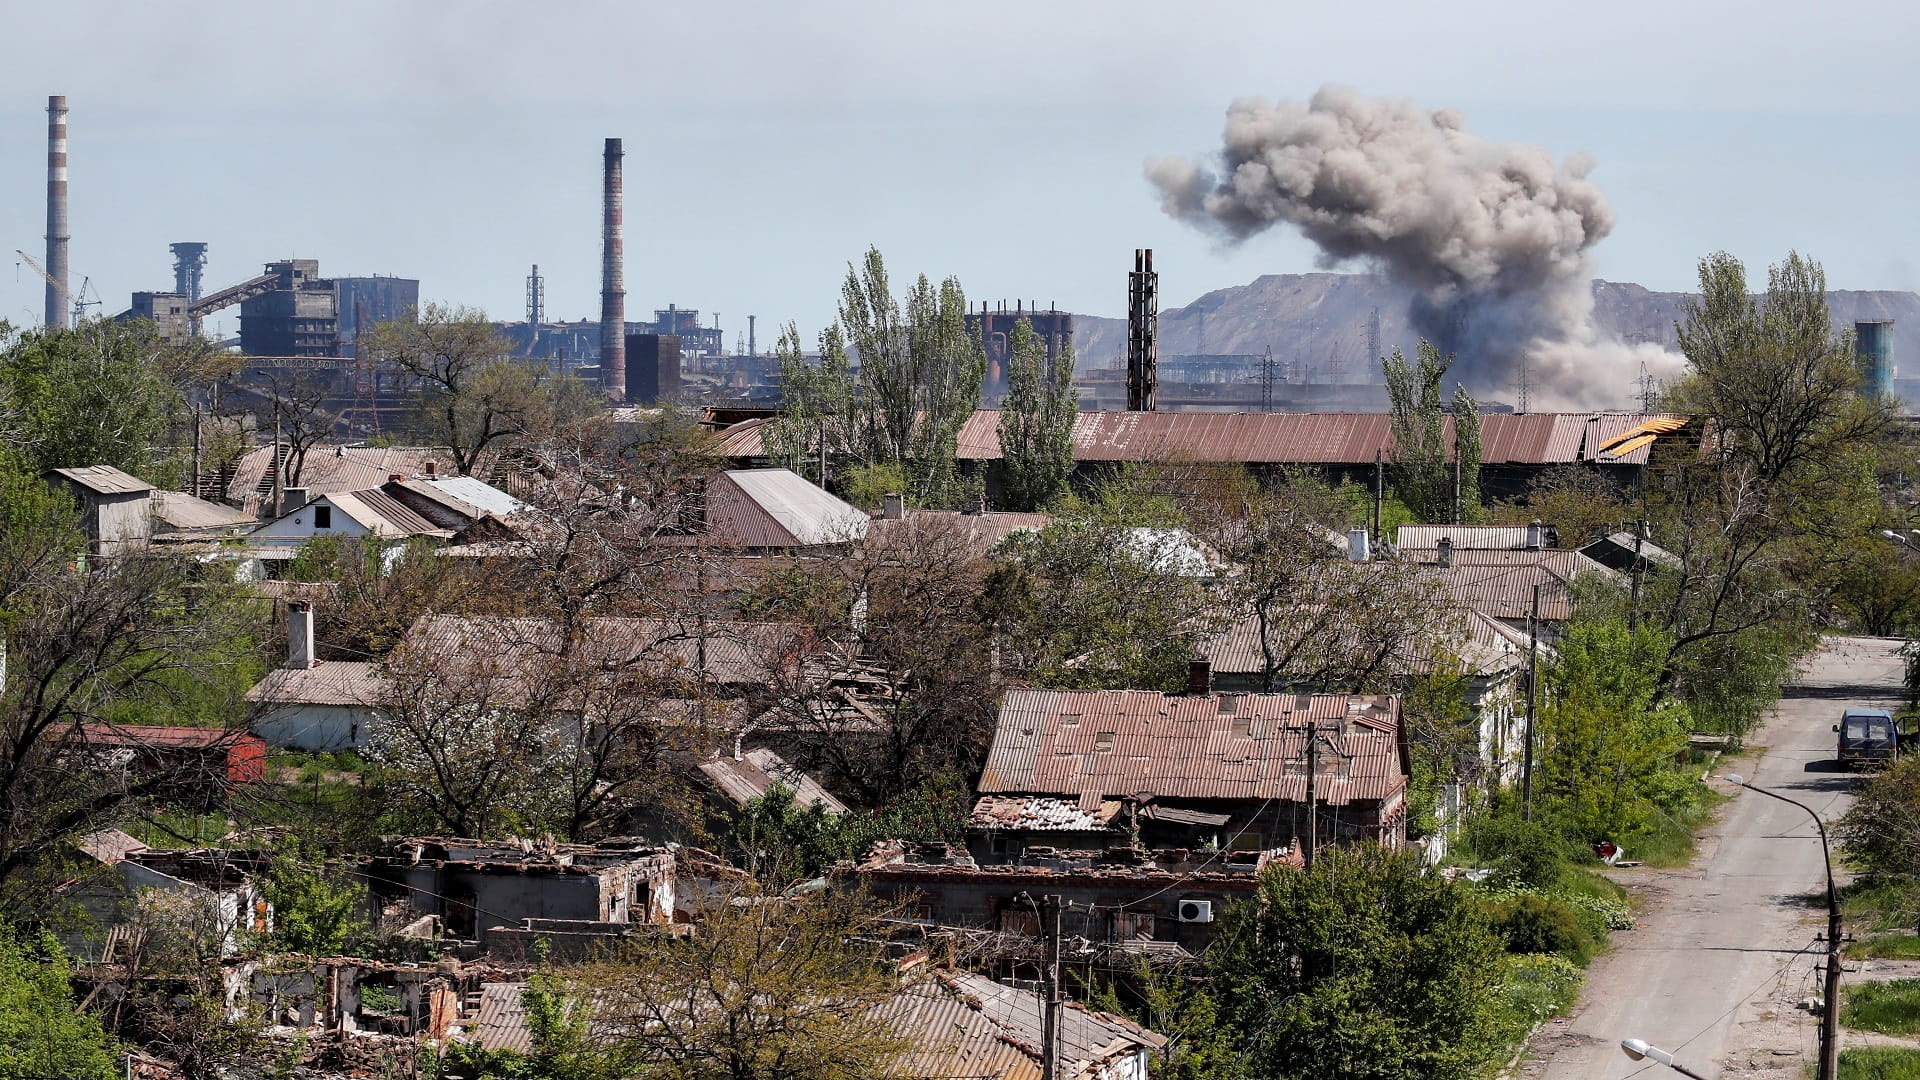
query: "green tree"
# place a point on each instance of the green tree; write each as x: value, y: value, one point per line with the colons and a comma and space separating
x: 1609, y: 736
x: 317, y: 909
x: 1365, y: 967
x: 1880, y: 833
x: 41, y: 1032
x: 770, y: 989
x: 817, y: 403
x: 1422, y: 479
x: 1036, y: 422
x: 1087, y: 604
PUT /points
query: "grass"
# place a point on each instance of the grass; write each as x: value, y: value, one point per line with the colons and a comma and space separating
x: 1879, y: 1063
x: 1532, y: 988
x: 1886, y: 947
x: 1891, y: 1007
x: 1671, y: 842
x: 1878, y: 908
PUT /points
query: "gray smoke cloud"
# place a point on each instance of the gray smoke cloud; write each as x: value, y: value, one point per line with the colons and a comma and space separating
x: 1491, y: 238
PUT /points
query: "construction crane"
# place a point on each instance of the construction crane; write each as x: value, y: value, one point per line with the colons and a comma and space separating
x: 66, y: 294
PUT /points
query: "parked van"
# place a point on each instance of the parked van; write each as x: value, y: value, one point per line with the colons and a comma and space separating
x: 1867, y: 735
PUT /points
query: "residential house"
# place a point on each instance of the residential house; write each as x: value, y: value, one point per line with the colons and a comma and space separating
x: 200, y: 766
x: 181, y: 518
x: 312, y: 704
x: 1193, y: 770
x: 962, y: 1024
x: 115, y: 507
x: 768, y: 511
x: 1123, y: 900
x: 740, y: 777
x: 1627, y: 551
x: 981, y: 529
x: 207, y: 892
x: 485, y: 891
x: 259, y: 474
x: 1408, y: 539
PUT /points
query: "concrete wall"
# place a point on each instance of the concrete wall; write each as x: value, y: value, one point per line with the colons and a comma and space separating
x: 299, y: 524
x: 960, y: 901
x: 314, y: 728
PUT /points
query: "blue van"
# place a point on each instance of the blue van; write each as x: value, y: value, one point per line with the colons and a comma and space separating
x: 1867, y: 735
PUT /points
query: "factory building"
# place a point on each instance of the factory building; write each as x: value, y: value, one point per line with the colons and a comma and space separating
x: 287, y: 310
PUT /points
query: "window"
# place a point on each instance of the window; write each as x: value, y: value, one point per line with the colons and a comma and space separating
x: 323, y: 517
x: 1132, y: 926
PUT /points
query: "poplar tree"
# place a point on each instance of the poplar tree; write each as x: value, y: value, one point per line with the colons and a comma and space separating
x: 1036, y: 422
x: 1422, y: 477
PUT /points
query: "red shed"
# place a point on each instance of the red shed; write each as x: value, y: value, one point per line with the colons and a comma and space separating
x: 236, y: 756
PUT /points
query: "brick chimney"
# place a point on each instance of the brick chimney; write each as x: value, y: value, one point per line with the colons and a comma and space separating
x: 300, y: 635
x: 1199, y: 677
x: 433, y: 469
x: 1536, y: 535
x: 892, y: 507
x: 1445, y: 551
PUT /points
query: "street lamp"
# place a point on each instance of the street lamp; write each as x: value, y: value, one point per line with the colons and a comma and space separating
x: 1830, y: 1014
x: 1642, y: 1050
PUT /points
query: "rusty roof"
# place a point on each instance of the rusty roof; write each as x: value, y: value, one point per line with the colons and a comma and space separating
x: 762, y: 509
x: 982, y: 530
x: 1298, y: 438
x: 735, y: 653
x: 1097, y: 744
x: 1482, y: 642
x: 184, y: 738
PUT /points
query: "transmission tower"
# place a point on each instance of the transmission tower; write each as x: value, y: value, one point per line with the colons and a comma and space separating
x: 1646, y: 388
x: 1374, y: 355
x: 1336, y: 364
x: 1523, y: 386
x: 1266, y: 381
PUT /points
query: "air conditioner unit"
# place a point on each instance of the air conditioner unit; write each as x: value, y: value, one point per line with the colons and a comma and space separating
x: 1196, y: 911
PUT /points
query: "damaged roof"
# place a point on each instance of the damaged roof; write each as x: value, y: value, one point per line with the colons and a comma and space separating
x: 749, y: 776
x: 1099, y: 744
x: 960, y: 1024
x: 1039, y: 813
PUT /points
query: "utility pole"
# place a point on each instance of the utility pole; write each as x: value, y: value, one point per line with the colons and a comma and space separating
x: 1533, y: 697
x: 1050, y: 999
x: 1456, y: 487
x: 1379, y: 496
x: 1313, y: 807
x: 1639, y: 566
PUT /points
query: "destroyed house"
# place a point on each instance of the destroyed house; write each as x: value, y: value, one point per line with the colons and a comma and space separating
x: 962, y: 1024
x: 1125, y: 900
x: 210, y: 890
x: 200, y: 766
x: 1143, y: 768
x: 496, y: 894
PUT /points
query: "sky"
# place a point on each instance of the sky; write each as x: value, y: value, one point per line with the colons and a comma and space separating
x: 769, y: 144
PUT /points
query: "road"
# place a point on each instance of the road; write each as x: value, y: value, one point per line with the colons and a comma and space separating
x: 1717, y: 960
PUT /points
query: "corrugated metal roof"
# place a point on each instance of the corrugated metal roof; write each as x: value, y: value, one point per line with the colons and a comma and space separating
x: 468, y: 492
x: 1484, y: 644
x: 736, y: 653
x: 330, y: 682
x: 190, y: 738
x: 380, y: 513
x: 336, y: 468
x: 181, y: 511
x: 1464, y: 537
x: 1506, y: 592
x: 502, y: 1020
x: 749, y: 776
x: 1296, y: 438
x: 1226, y: 746
x: 105, y: 480
x: 765, y: 508
x: 959, y: 1024
x: 982, y: 530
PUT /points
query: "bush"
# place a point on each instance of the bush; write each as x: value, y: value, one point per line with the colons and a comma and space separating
x: 1879, y: 833
x: 1522, y: 854
x: 1534, y: 987
x: 1879, y: 1063
x: 1537, y: 924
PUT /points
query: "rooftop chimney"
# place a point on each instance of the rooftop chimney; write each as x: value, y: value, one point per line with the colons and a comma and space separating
x: 1359, y: 545
x: 433, y: 468
x: 892, y: 507
x: 300, y: 635
x: 1199, y: 676
x: 1535, y: 535
x: 1445, y: 551
x: 394, y: 478
x: 291, y: 499
x: 57, y: 234
x: 613, y: 288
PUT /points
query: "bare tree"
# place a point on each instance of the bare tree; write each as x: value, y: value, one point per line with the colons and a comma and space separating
x: 473, y: 395
x: 296, y: 402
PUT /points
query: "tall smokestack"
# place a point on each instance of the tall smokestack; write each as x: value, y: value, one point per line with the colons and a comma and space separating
x: 613, y: 288
x: 57, y: 235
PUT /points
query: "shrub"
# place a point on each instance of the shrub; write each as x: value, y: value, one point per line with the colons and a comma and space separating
x: 1522, y: 854
x: 1534, y: 987
x: 1537, y: 924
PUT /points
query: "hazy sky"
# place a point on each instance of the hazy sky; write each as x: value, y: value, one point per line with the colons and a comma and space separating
x: 770, y: 143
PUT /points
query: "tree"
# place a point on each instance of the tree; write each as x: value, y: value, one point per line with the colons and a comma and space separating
x: 771, y: 988
x: 1086, y: 604
x: 1881, y: 831
x: 106, y: 393
x: 1036, y: 422
x: 317, y: 910
x: 296, y: 402
x: 41, y: 1032
x: 126, y: 639
x: 472, y: 395
x: 1366, y: 966
x: 1421, y: 478
x: 918, y: 382
x: 903, y: 624
x: 1609, y: 736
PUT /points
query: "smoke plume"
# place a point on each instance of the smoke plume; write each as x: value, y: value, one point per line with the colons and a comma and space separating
x: 1490, y: 238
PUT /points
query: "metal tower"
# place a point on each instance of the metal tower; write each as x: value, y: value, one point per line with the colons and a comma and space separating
x: 1266, y: 381
x: 1143, y: 332
x: 536, y: 297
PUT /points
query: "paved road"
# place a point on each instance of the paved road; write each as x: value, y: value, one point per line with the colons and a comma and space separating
x: 1712, y: 938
